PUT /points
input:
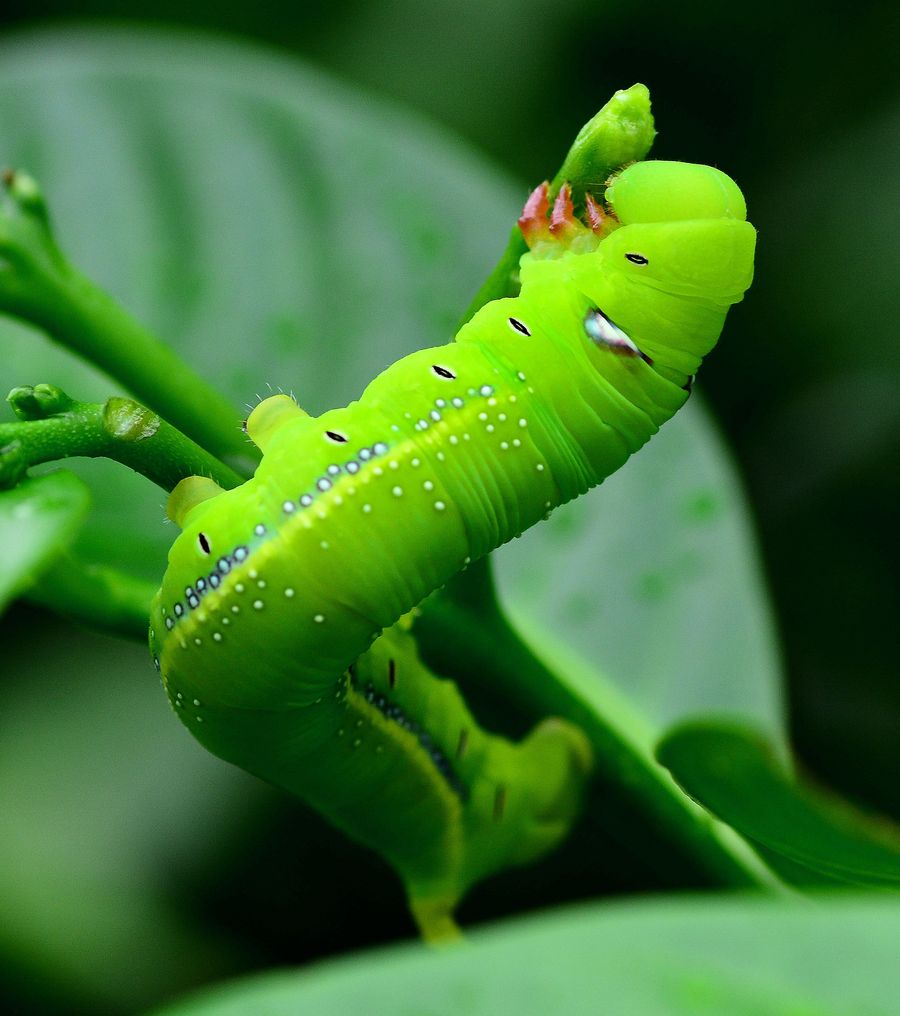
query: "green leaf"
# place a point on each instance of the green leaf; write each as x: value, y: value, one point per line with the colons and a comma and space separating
x: 656, y: 584
x: 734, y: 772
x: 38, y: 519
x: 668, y: 957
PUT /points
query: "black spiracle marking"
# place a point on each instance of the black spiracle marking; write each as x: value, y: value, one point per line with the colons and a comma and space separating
x: 637, y: 259
x: 443, y: 372
x: 395, y: 714
x: 338, y: 438
x: 519, y: 326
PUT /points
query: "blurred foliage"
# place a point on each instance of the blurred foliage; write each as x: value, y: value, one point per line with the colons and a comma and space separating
x: 687, y: 957
x: 799, y: 103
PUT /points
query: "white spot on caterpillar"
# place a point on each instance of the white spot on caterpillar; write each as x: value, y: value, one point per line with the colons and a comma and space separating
x: 520, y: 376
x: 435, y: 415
x: 323, y: 483
x: 540, y: 467
x: 439, y: 506
x: 428, y: 485
x: 257, y: 604
x: 501, y: 417
x: 319, y: 618
x: 492, y: 402
x: 517, y: 443
x: 378, y: 471
x: 523, y: 422
x: 198, y: 641
x: 289, y: 592
x: 352, y: 467
x: 217, y: 636
x: 334, y: 469
x: 415, y: 463
x: 261, y: 583
x: 490, y: 428
x: 454, y: 439
x: 512, y: 398
x: 440, y: 456
x: 397, y: 491
x: 482, y: 416
x: 467, y: 436
x: 458, y: 402
x: 253, y: 573
x: 306, y: 500
x: 226, y: 620
x: 393, y: 464
x: 379, y: 448
x: 367, y: 508
x: 235, y: 609
x: 486, y: 390
x: 337, y: 500
x: 440, y: 403
x: 365, y: 453
x: 324, y: 545
x: 504, y: 445
x: 260, y: 529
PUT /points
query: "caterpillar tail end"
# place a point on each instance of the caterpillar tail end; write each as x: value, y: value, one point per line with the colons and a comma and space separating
x: 434, y: 918
x: 560, y: 760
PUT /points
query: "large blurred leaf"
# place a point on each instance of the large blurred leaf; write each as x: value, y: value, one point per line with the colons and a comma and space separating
x: 37, y: 520
x: 653, y: 580
x: 686, y: 957
x: 731, y: 769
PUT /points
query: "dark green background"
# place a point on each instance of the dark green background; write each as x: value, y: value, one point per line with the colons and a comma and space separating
x: 799, y: 102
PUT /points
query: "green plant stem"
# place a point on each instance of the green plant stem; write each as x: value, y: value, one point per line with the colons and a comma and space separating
x: 39, y: 286
x: 102, y: 598
x: 52, y: 426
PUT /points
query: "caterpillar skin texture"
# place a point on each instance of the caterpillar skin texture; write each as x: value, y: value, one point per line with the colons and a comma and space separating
x: 263, y: 629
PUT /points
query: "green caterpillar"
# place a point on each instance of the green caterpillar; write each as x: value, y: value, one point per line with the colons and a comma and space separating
x: 266, y: 629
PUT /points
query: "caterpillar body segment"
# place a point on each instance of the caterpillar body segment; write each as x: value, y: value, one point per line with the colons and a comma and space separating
x: 265, y: 627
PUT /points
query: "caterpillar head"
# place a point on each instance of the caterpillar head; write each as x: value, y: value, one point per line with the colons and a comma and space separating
x: 667, y: 275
